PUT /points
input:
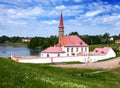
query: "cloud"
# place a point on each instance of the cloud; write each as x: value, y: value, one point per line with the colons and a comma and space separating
x: 93, y: 13
x: 61, y: 7
x: 50, y: 22
x: 24, y: 13
x: 36, y: 14
x: 16, y: 23
x: 77, y: 0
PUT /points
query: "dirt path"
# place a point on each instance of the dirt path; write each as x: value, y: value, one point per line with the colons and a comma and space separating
x: 109, y: 64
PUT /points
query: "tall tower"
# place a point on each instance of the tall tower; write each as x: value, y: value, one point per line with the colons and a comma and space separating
x: 61, y: 27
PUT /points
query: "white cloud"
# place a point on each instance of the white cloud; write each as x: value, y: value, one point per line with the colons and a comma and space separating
x: 61, y: 7
x: 16, y: 23
x: 50, y: 22
x: 109, y: 18
x: 93, y: 13
x: 31, y: 13
x: 77, y: 0
x: 24, y: 13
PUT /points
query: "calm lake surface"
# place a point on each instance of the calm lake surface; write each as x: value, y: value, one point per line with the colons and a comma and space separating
x: 5, y: 51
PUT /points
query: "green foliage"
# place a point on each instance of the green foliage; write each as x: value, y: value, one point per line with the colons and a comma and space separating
x: 42, y: 42
x: 18, y: 75
x: 15, y: 39
x: 4, y: 38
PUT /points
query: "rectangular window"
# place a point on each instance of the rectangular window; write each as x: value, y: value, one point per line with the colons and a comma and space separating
x: 67, y: 49
x: 77, y: 49
x: 71, y: 49
x: 47, y: 55
x: 67, y: 54
x: 58, y: 54
x: 85, y: 49
x: 81, y: 49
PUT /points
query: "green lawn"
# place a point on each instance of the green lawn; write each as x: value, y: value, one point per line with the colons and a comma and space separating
x: 19, y: 75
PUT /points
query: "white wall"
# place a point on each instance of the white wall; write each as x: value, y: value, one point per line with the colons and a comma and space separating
x: 111, y: 54
x: 52, y: 54
x: 84, y: 59
x: 63, y: 58
x: 41, y: 60
x: 51, y: 59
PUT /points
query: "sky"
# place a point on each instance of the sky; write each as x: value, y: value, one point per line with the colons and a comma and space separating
x: 30, y: 18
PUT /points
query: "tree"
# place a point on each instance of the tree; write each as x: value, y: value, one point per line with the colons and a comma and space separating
x: 106, y: 37
x: 4, y: 38
x: 15, y: 39
x: 74, y: 33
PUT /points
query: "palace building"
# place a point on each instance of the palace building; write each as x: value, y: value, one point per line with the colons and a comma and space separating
x: 67, y: 45
x: 69, y: 48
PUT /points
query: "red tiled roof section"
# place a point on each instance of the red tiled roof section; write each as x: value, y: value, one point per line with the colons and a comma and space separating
x: 99, y: 51
x: 54, y: 49
x: 61, y: 25
x: 72, y: 40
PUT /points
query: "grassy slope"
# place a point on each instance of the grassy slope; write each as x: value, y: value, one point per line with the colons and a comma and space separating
x: 18, y: 75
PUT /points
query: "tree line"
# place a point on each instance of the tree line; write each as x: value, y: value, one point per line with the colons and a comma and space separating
x: 14, y: 39
x: 43, y: 42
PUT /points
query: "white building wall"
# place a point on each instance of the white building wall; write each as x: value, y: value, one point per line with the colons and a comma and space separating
x: 52, y: 54
x: 41, y: 60
x: 69, y: 51
x: 52, y: 59
x: 75, y: 51
x: 110, y: 54
x: 84, y: 59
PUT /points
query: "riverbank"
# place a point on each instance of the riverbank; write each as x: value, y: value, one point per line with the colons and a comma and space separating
x: 14, y: 44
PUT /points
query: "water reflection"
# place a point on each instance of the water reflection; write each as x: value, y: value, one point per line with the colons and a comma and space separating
x: 5, y: 51
x: 35, y: 51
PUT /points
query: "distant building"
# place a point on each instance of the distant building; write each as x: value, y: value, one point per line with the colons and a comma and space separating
x: 117, y: 41
x: 26, y: 39
x: 111, y: 39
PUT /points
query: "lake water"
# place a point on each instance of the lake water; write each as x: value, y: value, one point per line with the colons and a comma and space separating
x: 5, y: 51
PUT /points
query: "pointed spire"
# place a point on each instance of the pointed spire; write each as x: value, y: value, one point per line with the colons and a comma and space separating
x: 61, y: 25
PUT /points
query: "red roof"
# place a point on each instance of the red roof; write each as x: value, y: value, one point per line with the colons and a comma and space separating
x: 61, y: 25
x: 72, y: 40
x: 55, y: 49
x: 99, y: 51
x: 117, y: 41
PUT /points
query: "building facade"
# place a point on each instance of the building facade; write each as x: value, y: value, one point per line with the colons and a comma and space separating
x: 67, y: 45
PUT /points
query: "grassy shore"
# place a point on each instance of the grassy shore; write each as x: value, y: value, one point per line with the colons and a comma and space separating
x: 19, y: 75
x: 14, y: 44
